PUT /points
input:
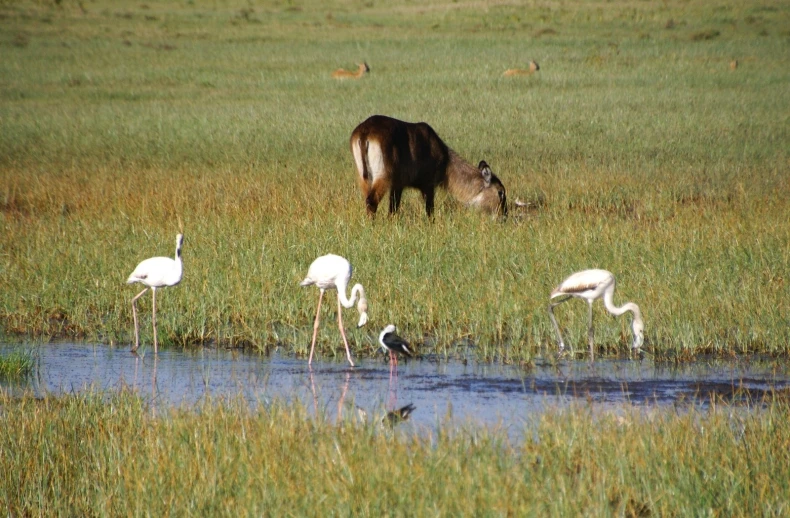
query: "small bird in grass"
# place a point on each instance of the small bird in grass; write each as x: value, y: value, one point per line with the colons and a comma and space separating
x: 591, y: 285
x: 332, y: 272
x: 393, y: 343
x: 398, y: 416
x: 156, y: 272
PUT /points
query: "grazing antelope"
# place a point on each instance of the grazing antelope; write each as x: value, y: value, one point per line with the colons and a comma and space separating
x: 591, y: 285
x: 391, y: 155
x: 733, y: 64
x: 347, y: 74
x: 533, y: 67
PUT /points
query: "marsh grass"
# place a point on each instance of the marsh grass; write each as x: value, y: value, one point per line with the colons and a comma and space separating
x: 114, y: 454
x: 18, y: 363
x: 636, y: 146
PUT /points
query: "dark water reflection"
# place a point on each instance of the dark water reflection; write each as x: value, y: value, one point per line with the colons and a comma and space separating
x: 504, y: 396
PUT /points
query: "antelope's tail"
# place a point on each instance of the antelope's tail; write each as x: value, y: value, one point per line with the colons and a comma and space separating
x: 360, y: 150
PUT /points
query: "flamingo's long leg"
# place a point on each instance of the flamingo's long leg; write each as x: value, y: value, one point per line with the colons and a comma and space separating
x: 153, y: 318
x: 590, y: 332
x: 134, y: 314
x: 342, y: 331
x: 552, y: 305
x: 315, y: 325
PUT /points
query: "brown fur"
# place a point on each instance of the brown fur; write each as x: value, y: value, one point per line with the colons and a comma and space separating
x: 413, y: 155
x: 533, y: 67
x: 346, y: 74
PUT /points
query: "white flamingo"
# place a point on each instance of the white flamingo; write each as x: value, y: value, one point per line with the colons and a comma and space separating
x: 156, y: 272
x: 332, y: 272
x: 591, y: 285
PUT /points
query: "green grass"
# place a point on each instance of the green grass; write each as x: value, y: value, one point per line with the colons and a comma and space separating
x: 96, y: 454
x: 17, y: 364
x: 639, y: 149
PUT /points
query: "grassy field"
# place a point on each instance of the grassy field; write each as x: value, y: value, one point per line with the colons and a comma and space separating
x: 112, y: 455
x: 636, y: 147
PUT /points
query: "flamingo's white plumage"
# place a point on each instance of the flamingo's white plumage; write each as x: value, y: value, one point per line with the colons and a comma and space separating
x: 591, y: 285
x: 332, y: 272
x: 156, y: 272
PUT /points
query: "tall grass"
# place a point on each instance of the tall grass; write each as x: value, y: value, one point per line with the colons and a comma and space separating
x: 112, y: 454
x: 636, y: 147
x: 17, y: 363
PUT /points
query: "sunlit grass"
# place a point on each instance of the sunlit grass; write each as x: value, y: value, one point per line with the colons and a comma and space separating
x: 114, y: 454
x: 636, y: 146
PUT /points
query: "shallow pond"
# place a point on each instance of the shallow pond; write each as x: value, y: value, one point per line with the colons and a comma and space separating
x: 508, y: 397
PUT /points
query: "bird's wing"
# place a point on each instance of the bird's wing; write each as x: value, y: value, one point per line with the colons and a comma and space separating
x: 153, y: 271
x: 397, y: 343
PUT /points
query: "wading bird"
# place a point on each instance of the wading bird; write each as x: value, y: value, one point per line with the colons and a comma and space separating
x: 156, y: 272
x: 332, y: 272
x: 398, y: 416
x: 591, y: 285
x: 393, y: 343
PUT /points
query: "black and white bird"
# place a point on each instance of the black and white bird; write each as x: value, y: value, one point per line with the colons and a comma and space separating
x: 332, y: 272
x: 156, y: 272
x: 393, y: 343
x: 591, y: 285
x: 398, y: 416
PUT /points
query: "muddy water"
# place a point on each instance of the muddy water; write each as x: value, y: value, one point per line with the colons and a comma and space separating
x: 507, y: 397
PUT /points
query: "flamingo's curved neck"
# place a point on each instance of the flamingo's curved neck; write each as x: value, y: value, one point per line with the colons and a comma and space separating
x: 608, y: 301
x: 179, y: 264
x: 356, y: 291
x: 178, y: 268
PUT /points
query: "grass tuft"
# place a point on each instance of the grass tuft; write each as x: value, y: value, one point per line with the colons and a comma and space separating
x: 116, y: 454
x: 18, y: 363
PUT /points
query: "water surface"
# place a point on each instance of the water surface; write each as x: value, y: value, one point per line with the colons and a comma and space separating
x: 509, y: 397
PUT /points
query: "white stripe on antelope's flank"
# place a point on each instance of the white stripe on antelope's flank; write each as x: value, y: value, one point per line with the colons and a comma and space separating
x: 376, y: 160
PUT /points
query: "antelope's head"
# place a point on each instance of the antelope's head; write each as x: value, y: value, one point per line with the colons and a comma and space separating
x: 492, y: 197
